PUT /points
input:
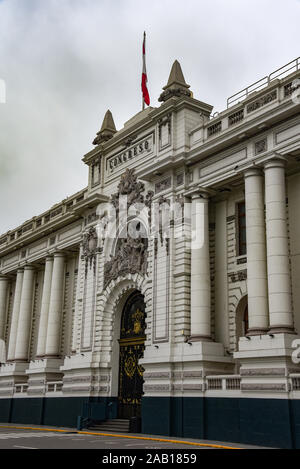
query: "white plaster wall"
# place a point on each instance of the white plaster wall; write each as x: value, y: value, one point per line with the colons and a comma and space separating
x: 293, y: 184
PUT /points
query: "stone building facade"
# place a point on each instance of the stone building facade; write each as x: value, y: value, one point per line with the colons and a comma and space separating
x: 168, y: 288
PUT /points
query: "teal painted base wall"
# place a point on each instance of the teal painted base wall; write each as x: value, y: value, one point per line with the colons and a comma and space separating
x: 264, y: 422
x: 55, y: 411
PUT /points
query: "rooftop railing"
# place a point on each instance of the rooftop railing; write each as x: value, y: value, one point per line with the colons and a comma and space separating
x: 281, y: 72
x: 54, y: 213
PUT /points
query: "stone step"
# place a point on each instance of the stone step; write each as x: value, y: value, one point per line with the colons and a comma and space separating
x: 109, y: 429
x: 113, y: 425
x: 117, y: 421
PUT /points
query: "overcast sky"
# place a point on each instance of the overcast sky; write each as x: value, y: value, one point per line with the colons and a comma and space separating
x: 65, y: 62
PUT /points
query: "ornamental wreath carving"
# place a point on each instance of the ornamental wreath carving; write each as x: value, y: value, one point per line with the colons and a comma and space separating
x: 89, y: 248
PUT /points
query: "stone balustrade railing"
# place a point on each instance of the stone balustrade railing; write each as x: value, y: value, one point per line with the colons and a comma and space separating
x: 50, y: 386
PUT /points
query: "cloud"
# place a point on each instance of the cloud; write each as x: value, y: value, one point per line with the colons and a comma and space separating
x: 65, y: 62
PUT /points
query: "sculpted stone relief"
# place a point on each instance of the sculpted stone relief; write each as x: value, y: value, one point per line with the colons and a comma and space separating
x: 130, y: 257
x: 89, y: 248
x: 131, y: 252
x: 129, y: 187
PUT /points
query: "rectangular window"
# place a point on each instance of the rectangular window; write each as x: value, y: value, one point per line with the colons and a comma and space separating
x: 241, y: 218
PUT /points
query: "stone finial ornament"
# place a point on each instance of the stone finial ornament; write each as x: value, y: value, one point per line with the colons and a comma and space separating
x: 107, y: 131
x: 176, y: 85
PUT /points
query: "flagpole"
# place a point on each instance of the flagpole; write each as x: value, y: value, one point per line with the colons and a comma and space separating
x: 144, y: 44
x: 145, y: 94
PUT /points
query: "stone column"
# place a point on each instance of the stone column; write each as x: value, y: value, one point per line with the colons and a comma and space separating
x: 256, y: 253
x: 15, y: 316
x: 45, y: 303
x: 200, y: 270
x: 3, y: 302
x: 24, y: 322
x: 55, y: 307
x: 75, y: 325
x: 279, y: 278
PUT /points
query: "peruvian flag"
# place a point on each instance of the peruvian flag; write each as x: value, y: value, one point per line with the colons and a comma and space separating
x: 144, y: 75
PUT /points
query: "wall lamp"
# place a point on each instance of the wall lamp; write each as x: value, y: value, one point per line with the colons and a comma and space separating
x: 156, y: 346
x: 271, y: 335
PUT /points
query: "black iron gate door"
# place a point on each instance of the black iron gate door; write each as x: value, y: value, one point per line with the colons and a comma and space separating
x: 131, y: 341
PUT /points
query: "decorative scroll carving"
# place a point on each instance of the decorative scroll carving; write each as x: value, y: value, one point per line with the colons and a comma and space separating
x: 89, y: 246
x: 129, y: 141
x: 179, y: 179
x: 289, y: 88
x: 163, y: 185
x: 148, y: 203
x: 261, y: 146
x: 238, y: 276
x: 130, y: 258
x: 267, y: 98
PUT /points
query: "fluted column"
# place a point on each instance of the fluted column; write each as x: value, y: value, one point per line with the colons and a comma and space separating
x: 200, y: 270
x: 3, y: 302
x: 279, y: 278
x: 15, y: 316
x: 256, y: 253
x: 24, y: 322
x: 55, y: 307
x: 45, y: 303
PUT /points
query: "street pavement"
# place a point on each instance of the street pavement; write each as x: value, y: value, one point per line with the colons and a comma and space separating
x: 14, y: 436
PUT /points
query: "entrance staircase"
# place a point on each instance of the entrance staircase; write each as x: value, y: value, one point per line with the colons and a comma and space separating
x: 113, y: 426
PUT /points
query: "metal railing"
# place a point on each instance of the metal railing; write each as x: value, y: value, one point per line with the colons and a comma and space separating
x: 281, y: 72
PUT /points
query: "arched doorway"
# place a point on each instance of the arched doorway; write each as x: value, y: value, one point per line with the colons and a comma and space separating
x: 132, y: 344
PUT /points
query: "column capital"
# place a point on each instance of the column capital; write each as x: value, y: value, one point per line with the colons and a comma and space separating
x: 59, y: 254
x: 3, y: 277
x: 199, y: 196
x: 200, y: 193
x: 253, y: 171
x: 49, y: 258
x: 29, y: 267
x: 277, y: 161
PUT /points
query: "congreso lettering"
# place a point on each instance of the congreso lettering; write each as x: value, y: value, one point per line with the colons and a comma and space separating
x: 145, y: 146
